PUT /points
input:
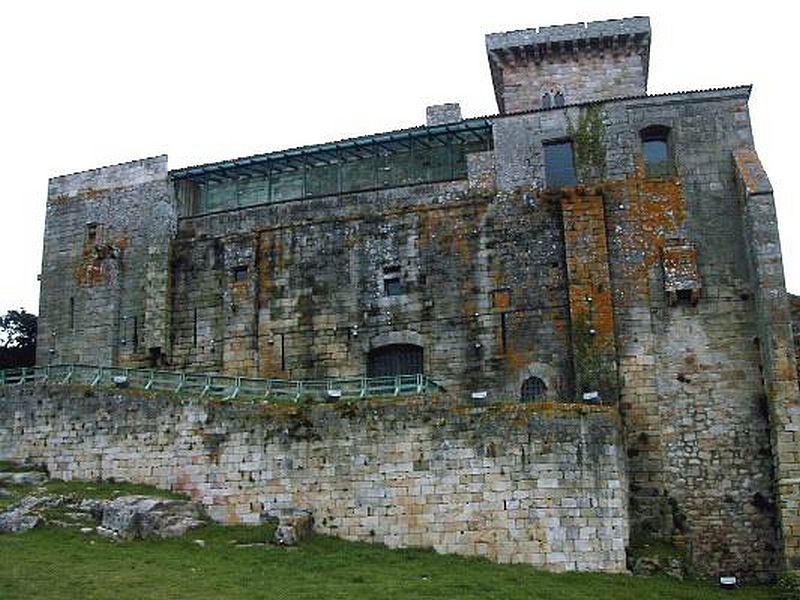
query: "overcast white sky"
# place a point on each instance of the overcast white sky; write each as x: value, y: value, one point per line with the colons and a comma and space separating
x: 87, y: 84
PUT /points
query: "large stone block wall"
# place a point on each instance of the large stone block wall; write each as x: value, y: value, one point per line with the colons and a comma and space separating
x: 516, y: 483
x: 579, y: 78
x: 482, y: 279
x: 689, y: 363
x: 776, y: 345
x: 106, y: 265
x: 693, y: 398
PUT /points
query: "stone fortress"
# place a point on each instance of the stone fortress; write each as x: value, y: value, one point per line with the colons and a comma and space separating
x: 604, y: 262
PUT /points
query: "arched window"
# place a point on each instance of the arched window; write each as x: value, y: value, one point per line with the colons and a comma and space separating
x: 395, y: 359
x: 558, y: 100
x: 533, y: 390
x: 656, y: 151
x: 547, y: 101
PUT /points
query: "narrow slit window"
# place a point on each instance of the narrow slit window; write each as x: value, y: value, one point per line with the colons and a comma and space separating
x: 91, y: 233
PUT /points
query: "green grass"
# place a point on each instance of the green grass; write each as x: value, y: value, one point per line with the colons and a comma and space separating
x: 62, y: 563
x: 56, y: 563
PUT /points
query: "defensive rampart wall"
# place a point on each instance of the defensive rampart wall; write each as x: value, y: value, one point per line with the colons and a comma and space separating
x: 514, y: 483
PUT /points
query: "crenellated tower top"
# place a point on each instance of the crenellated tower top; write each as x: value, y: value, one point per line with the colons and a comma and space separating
x: 568, y: 64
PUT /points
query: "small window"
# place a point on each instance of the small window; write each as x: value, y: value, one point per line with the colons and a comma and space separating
x: 392, y: 284
x: 547, y: 100
x: 558, y: 99
x: 656, y: 151
x: 240, y: 273
x: 559, y: 165
x: 91, y: 233
x: 533, y: 390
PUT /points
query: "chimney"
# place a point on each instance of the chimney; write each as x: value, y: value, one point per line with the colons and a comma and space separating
x: 439, y: 114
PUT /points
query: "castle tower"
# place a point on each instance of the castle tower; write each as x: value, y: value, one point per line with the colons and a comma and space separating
x: 568, y: 64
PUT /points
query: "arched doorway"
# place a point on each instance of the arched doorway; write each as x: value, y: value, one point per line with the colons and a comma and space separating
x: 533, y: 390
x: 395, y: 359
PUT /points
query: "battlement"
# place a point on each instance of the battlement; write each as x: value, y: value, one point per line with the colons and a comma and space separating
x: 614, y: 31
x: 609, y: 59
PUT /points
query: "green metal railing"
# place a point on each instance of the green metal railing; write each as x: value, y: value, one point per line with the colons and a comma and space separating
x: 221, y: 386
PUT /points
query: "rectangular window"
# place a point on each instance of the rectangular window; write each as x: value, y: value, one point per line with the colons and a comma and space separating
x: 91, y: 233
x: 657, y: 161
x: 392, y: 285
x: 240, y: 273
x: 559, y: 165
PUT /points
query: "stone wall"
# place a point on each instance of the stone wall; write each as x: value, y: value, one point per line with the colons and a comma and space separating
x: 298, y: 289
x: 105, y: 265
x: 527, y: 483
x: 579, y: 63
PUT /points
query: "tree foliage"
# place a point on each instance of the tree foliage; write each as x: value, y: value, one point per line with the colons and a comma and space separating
x: 17, y: 339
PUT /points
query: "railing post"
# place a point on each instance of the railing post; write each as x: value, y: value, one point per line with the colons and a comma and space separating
x: 150, y: 381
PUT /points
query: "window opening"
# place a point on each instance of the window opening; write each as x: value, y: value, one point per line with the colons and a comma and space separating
x: 533, y: 390
x: 72, y: 314
x: 558, y: 99
x: 91, y: 233
x: 392, y: 284
x: 656, y: 151
x: 395, y: 359
x: 559, y: 165
x: 547, y: 101
x: 240, y: 273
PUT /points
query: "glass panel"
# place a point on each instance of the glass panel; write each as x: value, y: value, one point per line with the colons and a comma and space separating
x: 558, y: 165
x: 220, y: 196
x: 396, y: 169
x: 656, y: 158
x: 287, y: 185
x: 253, y: 191
x: 655, y: 151
x: 420, y: 170
x: 322, y: 180
x: 441, y: 168
x: 358, y: 174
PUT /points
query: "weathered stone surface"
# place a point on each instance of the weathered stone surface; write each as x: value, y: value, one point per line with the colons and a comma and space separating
x: 502, y: 481
x: 659, y: 285
x: 17, y: 521
x: 140, y: 517
x: 294, y: 526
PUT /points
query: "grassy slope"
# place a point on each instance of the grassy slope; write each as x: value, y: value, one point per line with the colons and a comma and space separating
x: 53, y: 563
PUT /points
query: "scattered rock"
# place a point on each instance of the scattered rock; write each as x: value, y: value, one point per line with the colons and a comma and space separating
x: 87, y: 529
x: 23, y: 478
x: 201, y: 543
x: 18, y: 521
x: 139, y: 517
x: 106, y: 532
x: 294, y: 526
x: 646, y: 565
x: 28, y: 478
